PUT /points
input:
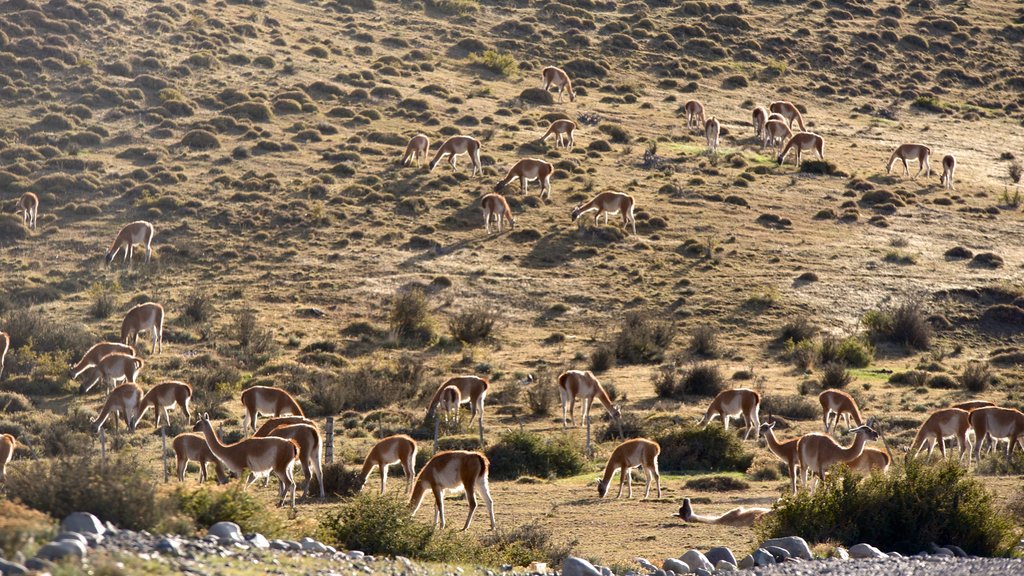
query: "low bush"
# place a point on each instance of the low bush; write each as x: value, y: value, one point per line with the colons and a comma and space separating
x: 976, y: 377
x: 903, y: 323
x: 540, y: 397
x: 704, y: 340
x: 912, y: 506
x: 214, y: 382
x: 834, y: 375
x: 521, y: 453
x: 803, y: 353
x: 794, y: 407
x: 852, y: 351
x: 685, y: 448
x: 197, y: 308
x: 21, y: 526
x: 104, y: 300
x: 410, y: 318
x: 25, y: 325
x: 473, y: 325
x: 255, y: 343
x: 341, y: 481
x: 717, y: 484
x: 521, y: 545
x: 643, y: 339
x: 500, y: 63
x: 207, y: 506
x: 11, y: 402
x: 797, y: 329
x: 375, y: 525
x: 602, y: 358
x: 375, y: 382
x: 696, y: 379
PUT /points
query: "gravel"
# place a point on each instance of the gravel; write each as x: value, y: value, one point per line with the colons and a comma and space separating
x: 910, y: 566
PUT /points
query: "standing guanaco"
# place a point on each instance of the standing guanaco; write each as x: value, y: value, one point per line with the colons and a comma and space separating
x: 28, y: 205
x: 311, y: 450
x: 585, y: 385
x: 870, y: 459
x: 528, y: 169
x: 563, y: 130
x: 608, y: 203
x: 146, y: 317
x: 839, y: 404
x: 712, y: 130
x: 472, y: 391
x: 739, y: 402
x: 800, y: 142
x: 267, y: 400
x: 759, y: 116
x: 7, y: 446
x: 694, y: 114
x: 455, y: 146
x: 948, y: 168
x: 449, y: 402
x: 123, y: 400
x: 993, y: 422
x: 114, y: 368
x: 93, y: 356
x: 559, y: 79
x: 905, y: 152
x: 163, y: 397
x: 774, y: 133
x: 397, y: 449
x: 140, y: 232
x: 819, y: 452
x: 785, y: 450
x: 418, y: 148
x: 942, y: 424
x: 191, y: 446
x: 453, y: 470
x: 496, y: 208
x: 789, y: 111
x: 638, y: 452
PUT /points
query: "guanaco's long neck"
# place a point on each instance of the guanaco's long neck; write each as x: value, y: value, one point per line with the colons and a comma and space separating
x: 777, y: 448
x: 603, y: 397
x: 219, y: 450
x: 609, y: 470
x: 854, y: 450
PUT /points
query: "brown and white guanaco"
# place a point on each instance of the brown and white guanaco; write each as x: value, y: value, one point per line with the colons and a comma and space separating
x: 267, y: 400
x: 397, y: 449
x: 559, y: 79
x: 140, y: 232
x: 28, y: 205
x: 146, y: 317
x: 452, y: 470
x: 635, y: 453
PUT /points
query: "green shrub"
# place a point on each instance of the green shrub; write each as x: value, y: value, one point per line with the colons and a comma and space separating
x: 207, y: 506
x: 21, y: 526
x: 903, y: 323
x: 851, y: 351
x: 11, y: 402
x: 376, y: 525
x: 540, y: 397
x: 834, y: 375
x: 976, y: 376
x: 803, y: 353
x: 341, y: 481
x: 643, y: 339
x: 29, y: 325
x: 410, y: 319
x: 498, y: 62
x: 214, y: 382
x: 704, y: 340
x: 104, y: 299
x: 685, y: 448
x: 522, y: 453
x: 696, y: 379
x: 717, y: 484
x: 905, y: 510
x: 521, y: 545
x: 794, y: 407
x: 473, y: 325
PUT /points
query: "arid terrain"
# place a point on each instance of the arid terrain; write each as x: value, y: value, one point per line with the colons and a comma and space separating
x: 262, y: 140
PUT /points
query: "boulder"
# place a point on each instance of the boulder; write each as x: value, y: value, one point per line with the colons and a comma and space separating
x: 780, y: 554
x: 39, y: 565
x: 226, y: 531
x: 702, y: 572
x: 860, y: 551
x: 279, y: 545
x: 956, y: 550
x: 72, y: 537
x: 358, y: 555
x: 725, y: 566
x: 746, y: 563
x: 605, y: 571
x: 258, y: 541
x: 762, y: 557
x: 795, y: 545
x: 841, y: 553
x: 719, y: 553
x: 310, y: 545
x: 695, y: 559
x: 573, y: 566
x: 170, y: 546
x: 12, y: 568
x: 61, y: 549
x: 677, y: 566
x: 83, y: 523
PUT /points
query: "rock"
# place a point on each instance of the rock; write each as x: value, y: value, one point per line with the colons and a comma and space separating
x: 310, y: 545
x: 795, y: 545
x: 39, y: 565
x: 747, y: 563
x: 12, y: 568
x: 677, y: 566
x: 606, y: 571
x: 258, y: 541
x: 170, y: 546
x: 938, y: 551
x: 62, y: 549
x: 861, y: 551
x: 780, y: 554
x: 279, y: 545
x: 695, y: 559
x: 762, y: 557
x: 72, y: 537
x: 725, y: 566
x: 226, y: 531
x: 841, y: 553
x: 719, y: 553
x: 358, y: 555
x: 957, y: 550
x: 573, y: 566
x: 83, y: 523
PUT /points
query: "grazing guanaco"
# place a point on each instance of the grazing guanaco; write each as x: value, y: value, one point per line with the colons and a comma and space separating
x: 7, y: 446
x: 93, y: 356
x: 449, y: 402
x: 942, y: 424
x: 638, y: 452
x: 267, y: 400
x: 418, y: 148
x: 694, y: 114
x: 5, y: 343
x: 163, y: 397
x: 311, y: 450
x: 972, y: 405
x: 472, y: 390
x: 583, y: 384
x: 453, y: 470
x: 140, y: 232
x: 785, y: 450
x: 559, y: 79
x: 146, y: 317
x: 776, y: 116
x: 564, y: 133
x: 608, y: 203
x: 738, y: 517
x: 270, y: 423
x: 738, y: 402
x: 496, y: 208
x: 528, y: 169
x: 819, y: 452
x: 800, y: 142
x: 455, y: 146
x: 124, y: 401
x: 759, y: 117
x: 788, y: 111
x: 905, y: 152
x: 397, y: 449
x: 712, y: 130
x: 774, y: 133
x: 995, y: 423
x: 28, y: 205
x: 191, y: 446
x: 257, y: 455
x: 948, y: 168
x: 114, y: 368
x: 870, y: 459
x: 839, y: 404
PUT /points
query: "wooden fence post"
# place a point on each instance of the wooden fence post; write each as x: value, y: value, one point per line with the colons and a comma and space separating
x: 329, y: 447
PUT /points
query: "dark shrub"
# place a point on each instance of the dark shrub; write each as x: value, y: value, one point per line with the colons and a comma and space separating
x: 207, y: 506
x: 717, y: 484
x: 376, y: 382
x: 342, y: 481
x: 912, y: 506
x: 473, y: 325
x: 643, y: 339
x: 28, y: 324
x: 198, y: 307
x: 256, y: 343
x: 851, y: 351
x: 11, y: 402
x: 410, y: 318
x: 714, y: 448
x: 696, y: 379
x: 704, y: 340
x: 521, y: 453
x: 104, y: 300
x: 797, y: 329
x: 976, y: 376
x: 602, y: 358
x: 794, y: 407
x: 540, y: 397
x: 904, y: 323
x: 521, y: 545
x: 834, y: 375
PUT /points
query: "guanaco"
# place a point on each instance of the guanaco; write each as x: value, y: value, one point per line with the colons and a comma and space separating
x: 788, y: 111
x: 496, y: 208
x: 739, y: 402
x: 870, y: 459
x: 785, y: 450
x: 114, y: 368
x: 559, y: 79
x: 455, y: 146
x: 146, y: 317
x: 818, y: 452
x: 583, y: 384
x: 472, y: 390
x: 452, y: 470
x: 905, y: 152
x: 267, y: 400
x: 163, y: 397
x: 839, y: 404
x: 140, y: 232
x: 191, y: 446
x: 311, y: 451
x: 28, y: 205
x: 635, y: 453
x: 418, y: 148
x: 7, y: 446
x: 712, y: 130
x: 270, y: 423
x: 972, y: 405
x: 564, y: 133
x: 5, y: 344
x: 800, y: 142
x: 759, y: 116
x: 942, y: 424
x: 948, y: 168
x: 528, y: 169
x: 774, y: 133
x: 694, y: 114
x: 124, y: 401
x: 738, y: 517
x: 93, y: 356
x: 397, y: 449
x: 258, y: 455
x: 993, y: 422
x: 449, y: 403
x: 608, y: 203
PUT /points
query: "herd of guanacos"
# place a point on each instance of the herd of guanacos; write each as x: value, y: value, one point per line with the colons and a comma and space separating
x: 289, y: 437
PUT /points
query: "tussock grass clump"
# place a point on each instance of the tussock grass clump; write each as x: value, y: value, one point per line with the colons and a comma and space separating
x: 375, y: 382
x: 834, y: 375
x: 198, y: 307
x: 255, y: 343
x: 912, y: 506
x: 794, y: 407
x: 500, y: 63
x: 903, y: 323
x: 472, y: 325
x: 454, y: 7
x: 696, y: 379
x: 851, y: 351
x: 342, y: 481
x: 376, y: 525
x: 713, y: 448
x: 643, y: 339
x: 25, y: 325
x: 207, y: 506
x: 21, y: 526
x: 602, y: 358
x: 12, y: 229
x: 797, y: 329
x: 11, y: 402
x: 410, y: 318
x: 704, y: 340
x: 104, y: 299
x: 522, y: 453
x: 976, y: 377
